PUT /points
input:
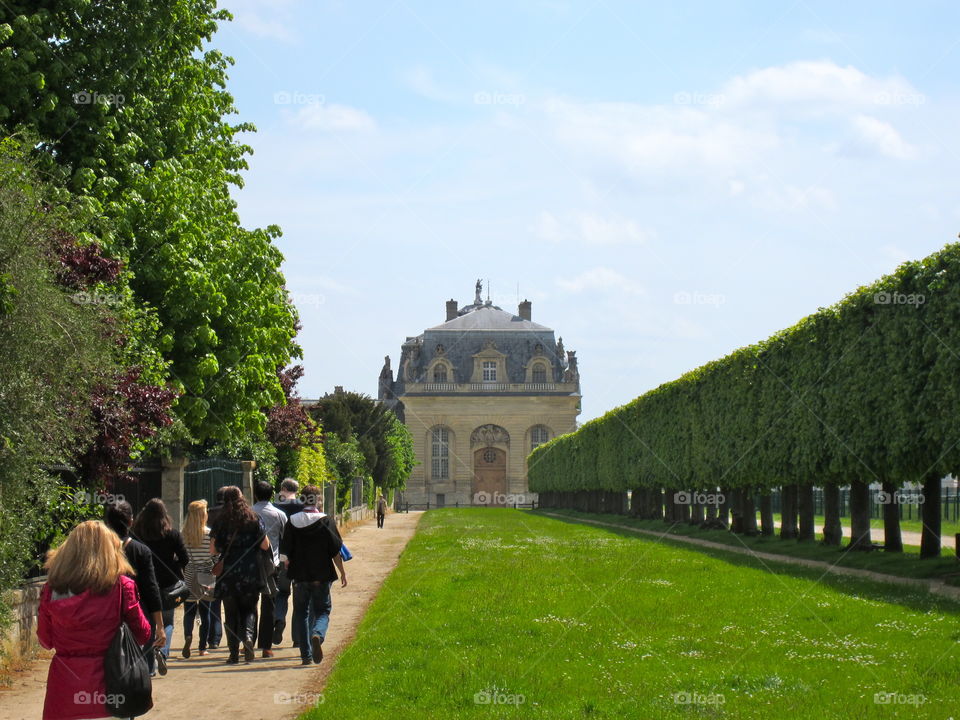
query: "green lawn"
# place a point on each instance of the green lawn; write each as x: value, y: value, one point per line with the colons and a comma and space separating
x: 510, y: 614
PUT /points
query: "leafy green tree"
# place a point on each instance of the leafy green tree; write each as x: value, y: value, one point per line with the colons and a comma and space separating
x: 130, y: 108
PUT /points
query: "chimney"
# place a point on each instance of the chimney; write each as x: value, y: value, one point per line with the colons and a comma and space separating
x: 525, y: 307
x: 451, y: 310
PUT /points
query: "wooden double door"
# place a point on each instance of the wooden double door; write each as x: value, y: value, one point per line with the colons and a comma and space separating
x: 489, y: 476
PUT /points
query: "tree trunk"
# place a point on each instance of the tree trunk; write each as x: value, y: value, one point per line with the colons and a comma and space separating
x: 788, y: 512
x: 832, y: 529
x: 683, y: 510
x: 736, y: 511
x: 930, y: 512
x: 805, y: 514
x: 638, y: 499
x: 749, y: 512
x: 655, y: 504
x: 892, y: 540
x: 860, y: 516
x: 766, y: 515
x: 669, y: 506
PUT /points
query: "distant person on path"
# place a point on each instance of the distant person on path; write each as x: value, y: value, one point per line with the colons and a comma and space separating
x: 236, y: 538
x: 381, y: 509
x: 273, y: 521
x: 118, y: 516
x: 196, y: 536
x: 154, y: 529
x: 87, y: 594
x: 310, y: 548
x: 290, y: 505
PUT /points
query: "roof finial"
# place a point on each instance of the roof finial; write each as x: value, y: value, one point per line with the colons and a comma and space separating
x: 478, y: 300
x: 488, y: 291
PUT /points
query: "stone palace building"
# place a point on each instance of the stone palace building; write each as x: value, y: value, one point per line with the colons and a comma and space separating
x: 479, y: 392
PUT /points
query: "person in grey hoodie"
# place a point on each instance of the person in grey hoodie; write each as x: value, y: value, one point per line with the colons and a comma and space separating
x: 310, y: 550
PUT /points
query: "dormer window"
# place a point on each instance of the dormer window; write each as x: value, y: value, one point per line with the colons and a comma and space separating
x: 440, y: 374
x: 539, y: 374
x: 489, y: 371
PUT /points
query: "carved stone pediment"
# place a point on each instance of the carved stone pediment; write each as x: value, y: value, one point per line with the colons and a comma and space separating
x: 487, y: 435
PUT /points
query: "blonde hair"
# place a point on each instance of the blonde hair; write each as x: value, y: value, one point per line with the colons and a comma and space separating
x: 91, y: 558
x: 196, y: 524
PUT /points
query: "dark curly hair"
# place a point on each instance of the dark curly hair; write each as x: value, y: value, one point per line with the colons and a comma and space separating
x: 236, y: 514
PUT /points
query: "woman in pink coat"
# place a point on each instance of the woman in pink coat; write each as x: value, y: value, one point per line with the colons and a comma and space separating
x: 81, y: 606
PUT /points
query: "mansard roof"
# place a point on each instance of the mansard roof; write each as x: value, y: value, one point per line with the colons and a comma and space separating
x: 488, y: 317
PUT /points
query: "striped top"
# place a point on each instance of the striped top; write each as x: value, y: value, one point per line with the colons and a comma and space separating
x: 200, y: 561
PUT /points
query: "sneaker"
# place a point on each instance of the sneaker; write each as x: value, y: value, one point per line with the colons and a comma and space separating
x: 306, y: 661
x: 278, y: 632
x: 161, y: 662
x: 267, y: 654
x: 202, y: 653
x: 316, y: 645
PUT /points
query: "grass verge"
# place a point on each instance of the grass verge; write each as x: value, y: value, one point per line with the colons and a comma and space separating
x: 501, y: 613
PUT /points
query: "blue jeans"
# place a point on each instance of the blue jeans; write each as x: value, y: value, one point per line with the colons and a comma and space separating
x: 216, y: 624
x: 190, y: 611
x: 311, y: 611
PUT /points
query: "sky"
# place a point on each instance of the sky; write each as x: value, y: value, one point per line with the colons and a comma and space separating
x: 666, y: 182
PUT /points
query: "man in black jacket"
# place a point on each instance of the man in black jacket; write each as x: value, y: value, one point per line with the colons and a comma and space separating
x: 310, y: 550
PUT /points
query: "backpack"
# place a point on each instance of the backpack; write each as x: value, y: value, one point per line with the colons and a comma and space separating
x: 128, y: 685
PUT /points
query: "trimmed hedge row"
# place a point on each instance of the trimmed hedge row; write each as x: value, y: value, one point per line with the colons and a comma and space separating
x: 867, y: 390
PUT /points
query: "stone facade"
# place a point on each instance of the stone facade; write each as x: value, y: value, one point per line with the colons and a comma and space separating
x: 478, y: 392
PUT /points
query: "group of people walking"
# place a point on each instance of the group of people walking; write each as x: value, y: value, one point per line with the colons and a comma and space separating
x: 229, y: 562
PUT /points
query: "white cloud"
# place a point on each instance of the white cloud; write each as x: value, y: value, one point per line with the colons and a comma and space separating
x: 420, y: 79
x: 883, y: 137
x: 333, y: 117
x: 590, y: 229
x: 265, y: 18
x: 600, y: 278
x: 819, y: 83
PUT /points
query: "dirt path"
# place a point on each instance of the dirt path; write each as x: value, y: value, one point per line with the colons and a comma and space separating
x: 272, y: 689
x: 937, y: 587
x: 876, y: 534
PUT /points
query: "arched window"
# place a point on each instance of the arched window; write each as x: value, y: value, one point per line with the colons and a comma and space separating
x: 539, y: 374
x: 440, y: 373
x: 440, y: 453
x: 539, y: 434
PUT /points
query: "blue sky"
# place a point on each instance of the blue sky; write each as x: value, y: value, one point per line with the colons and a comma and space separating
x: 666, y: 182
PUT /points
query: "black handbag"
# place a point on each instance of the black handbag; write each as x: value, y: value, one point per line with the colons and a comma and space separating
x: 126, y: 675
x: 267, y: 571
x: 173, y: 596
